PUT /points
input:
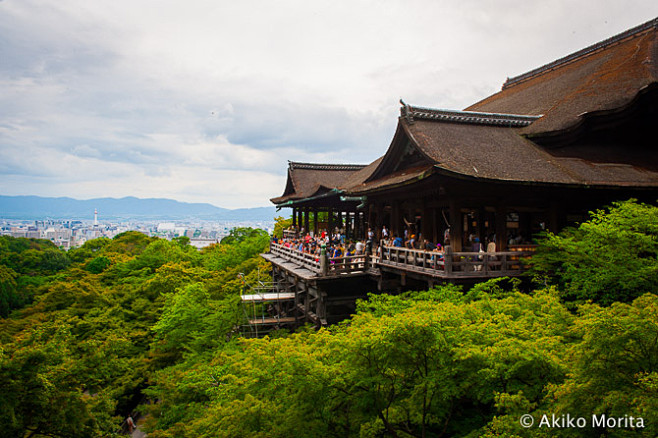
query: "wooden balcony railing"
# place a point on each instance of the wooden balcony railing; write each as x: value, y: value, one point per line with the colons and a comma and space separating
x: 334, y: 266
x: 452, y: 264
x: 302, y: 259
x: 455, y: 264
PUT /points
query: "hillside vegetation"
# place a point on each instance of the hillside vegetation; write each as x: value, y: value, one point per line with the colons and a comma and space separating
x: 90, y: 334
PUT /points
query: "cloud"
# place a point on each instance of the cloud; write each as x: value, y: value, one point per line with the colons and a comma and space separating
x: 207, y: 100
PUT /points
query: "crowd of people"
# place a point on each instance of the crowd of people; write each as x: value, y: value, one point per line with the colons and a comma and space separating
x: 338, y: 245
x: 383, y: 244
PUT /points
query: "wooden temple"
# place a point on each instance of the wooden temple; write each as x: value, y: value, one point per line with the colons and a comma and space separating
x: 555, y: 143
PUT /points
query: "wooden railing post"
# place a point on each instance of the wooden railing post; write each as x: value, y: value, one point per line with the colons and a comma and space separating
x: 324, y: 262
x: 447, y: 260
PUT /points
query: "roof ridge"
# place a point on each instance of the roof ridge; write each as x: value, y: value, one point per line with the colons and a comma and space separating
x: 635, y: 31
x: 324, y: 166
x: 472, y: 117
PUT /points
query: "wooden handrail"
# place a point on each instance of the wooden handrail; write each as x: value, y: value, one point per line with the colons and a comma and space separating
x: 343, y: 264
x: 469, y: 264
x: 475, y: 264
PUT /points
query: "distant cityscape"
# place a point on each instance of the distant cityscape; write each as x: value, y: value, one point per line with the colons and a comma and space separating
x: 68, y: 233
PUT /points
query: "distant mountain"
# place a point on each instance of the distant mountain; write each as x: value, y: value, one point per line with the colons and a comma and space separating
x: 37, y: 207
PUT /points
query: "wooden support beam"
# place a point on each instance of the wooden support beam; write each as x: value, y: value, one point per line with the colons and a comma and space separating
x: 396, y: 229
x: 307, y: 212
x: 330, y: 222
x: 456, y: 226
x: 501, y: 228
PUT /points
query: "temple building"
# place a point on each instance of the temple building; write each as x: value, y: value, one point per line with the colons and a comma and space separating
x: 556, y: 142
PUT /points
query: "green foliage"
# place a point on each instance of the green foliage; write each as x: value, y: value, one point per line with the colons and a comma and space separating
x: 129, y: 243
x: 615, y: 368
x: 281, y: 224
x: 40, y: 395
x: 32, y: 256
x: 612, y: 257
x: 98, y: 265
x: 132, y: 316
x: 240, y: 245
x: 105, y: 318
x: 9, y: 298
x: 88, y: 250
x: 239, y: 235
x: 190, y: 316
x: 183, y: 241
x: 423, y: 364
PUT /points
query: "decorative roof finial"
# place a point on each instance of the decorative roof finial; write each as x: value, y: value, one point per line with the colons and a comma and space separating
x: 405, y: 111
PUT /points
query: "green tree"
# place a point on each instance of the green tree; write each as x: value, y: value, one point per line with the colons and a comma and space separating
x: 238, y: 235
x: 612, y: 257
x: 614, y: 370
x: 9, y: 298
x: 281, y: 224
x: 98, y: 264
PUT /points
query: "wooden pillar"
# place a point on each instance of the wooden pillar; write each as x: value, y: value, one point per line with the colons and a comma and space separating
x: 330, y: 222
x: 379, y: 220
x: 426, y: 222
x: 371, y: 216
x: 315, y: 221
x: 456, y: 226
x: 348, y: 225
x: 435, y: 226
x: 395, y: 219
x: 361, y: 224
x: 481, y: 230
x: 554, y: 218
x: 501, y: 228
x: 306, y: 219
x: 294, y: 217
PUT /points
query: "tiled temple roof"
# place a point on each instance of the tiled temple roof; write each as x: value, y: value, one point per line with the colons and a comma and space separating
x: 472, y: 117
x: 309, y: 179
x: 603, y: 77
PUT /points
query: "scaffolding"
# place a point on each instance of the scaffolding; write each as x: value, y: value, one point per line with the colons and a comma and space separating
x: 266, y: 308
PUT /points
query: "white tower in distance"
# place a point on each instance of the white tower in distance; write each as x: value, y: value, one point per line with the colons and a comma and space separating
x: 95, y: 217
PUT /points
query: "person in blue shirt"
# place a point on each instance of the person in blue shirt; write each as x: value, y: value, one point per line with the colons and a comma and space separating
x: 398, y: 242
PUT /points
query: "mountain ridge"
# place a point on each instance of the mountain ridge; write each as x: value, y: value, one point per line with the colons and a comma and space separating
x: 126, y: 208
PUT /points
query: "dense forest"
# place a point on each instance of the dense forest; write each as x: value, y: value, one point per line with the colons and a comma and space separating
x: 139, y: 324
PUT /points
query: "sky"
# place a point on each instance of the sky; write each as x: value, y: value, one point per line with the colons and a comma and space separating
x: 207, y: 100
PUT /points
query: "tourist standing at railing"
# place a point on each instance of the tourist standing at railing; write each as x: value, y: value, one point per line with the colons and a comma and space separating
x: 438, y: 258
x: 477, y: 247
x: 491, y: 246
x: 359, y: 248
x: 428, y: 246
x: 412, y: 243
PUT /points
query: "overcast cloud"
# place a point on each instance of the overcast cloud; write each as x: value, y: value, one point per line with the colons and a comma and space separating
x: 205, y: 100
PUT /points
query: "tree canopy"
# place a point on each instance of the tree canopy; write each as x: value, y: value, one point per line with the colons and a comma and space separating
x: 90, y: 335
x: 612, y: 257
